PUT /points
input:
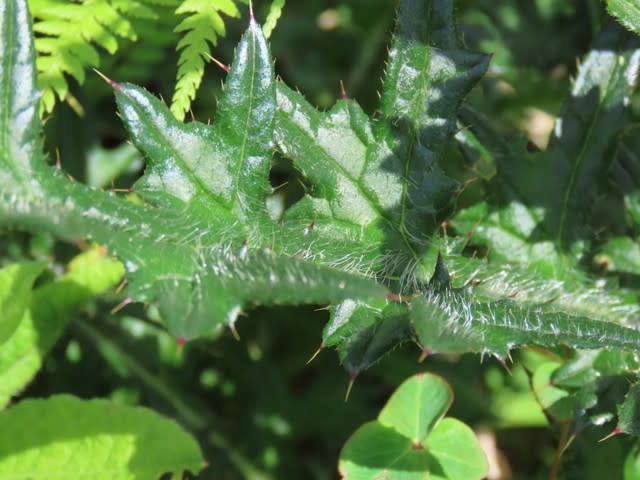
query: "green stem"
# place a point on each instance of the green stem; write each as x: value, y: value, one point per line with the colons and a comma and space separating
x: 242, y: 463
x: 192, y: 418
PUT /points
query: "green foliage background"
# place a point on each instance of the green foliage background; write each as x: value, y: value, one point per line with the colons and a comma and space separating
x: 256, y: 407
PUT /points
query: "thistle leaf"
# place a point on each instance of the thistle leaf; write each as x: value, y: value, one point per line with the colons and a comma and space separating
x: 453, y: 322
x: 206, y: 217
x: 627, y: 12
x: 200, y: 242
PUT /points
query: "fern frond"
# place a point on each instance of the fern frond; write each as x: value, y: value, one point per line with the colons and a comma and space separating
x: 275, y: 11
x: 135, y: 60
x: 202, y: 27
x: 67, y: 35
x: 75, y: 36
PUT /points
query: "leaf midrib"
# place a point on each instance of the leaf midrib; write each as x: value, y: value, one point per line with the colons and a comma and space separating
x: 579, y: 159
x: 411, y: 144
x: 245, y: 132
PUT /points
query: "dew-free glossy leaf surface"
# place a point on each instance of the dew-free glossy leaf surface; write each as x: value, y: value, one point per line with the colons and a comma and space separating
x: 537, y: 216
x: 405, y: 410
x: 15, y: 294
x: 74, y: 438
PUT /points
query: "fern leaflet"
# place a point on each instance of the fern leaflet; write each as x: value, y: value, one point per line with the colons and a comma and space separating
x: 68, y: 36
x: 275, y: 11
x: 203, y: 25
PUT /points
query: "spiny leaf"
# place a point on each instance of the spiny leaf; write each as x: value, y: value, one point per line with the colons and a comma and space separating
x: 428, y: 75
x: 20, y: 126
x: 206, y: 218
x: 367, y: 333
x: 101, y: 440
x: 386, y: 174
x: 627, y: 12
x: 377, y: 195
x: 575, y: 294
x: 383, y: 176
x: 307, y: 136
x: 629, y: 412
x: 453, y: 322
x: 258, y: 278
x: 558, y: 186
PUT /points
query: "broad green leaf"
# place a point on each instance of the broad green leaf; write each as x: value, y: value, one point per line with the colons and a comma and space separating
x: 203, y: 245
x: 52, y: 306
x: 632, y: 464
x: 627, y: 12
x: 456, y: 450
x: 410, y: 439
x: 72, y: 438
x: 15, y: 294
x: 405, y: 412
x: 375, y: 450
